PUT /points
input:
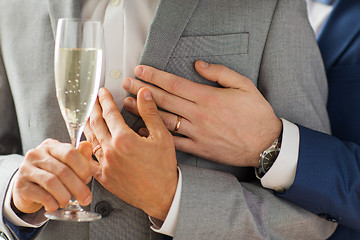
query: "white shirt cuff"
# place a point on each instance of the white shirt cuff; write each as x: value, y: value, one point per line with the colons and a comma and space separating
x: 170, y: 223
x: 32, y: 220
x: 281, y: 175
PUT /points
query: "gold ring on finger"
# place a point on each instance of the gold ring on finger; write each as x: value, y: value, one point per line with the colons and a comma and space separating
x: 178, y: 123
x: 96, y: 148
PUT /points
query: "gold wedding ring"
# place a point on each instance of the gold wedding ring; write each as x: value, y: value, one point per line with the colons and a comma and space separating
x: 177, y: 126
x: 96, y: 148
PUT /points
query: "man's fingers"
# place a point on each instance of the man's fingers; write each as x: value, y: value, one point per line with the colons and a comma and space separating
x: 98, y: 124
x: 130, y: 104
x: 163, y: 99
x: 111, y: 114
x: 68, y: 155
x: 90, y: 136
x: 169, y: 119
x: 51, y: 184
x: 223, y: 75
x: 171, y: 83
x: 61, y: 182
x: 31, y: 193
x: 149, y: 113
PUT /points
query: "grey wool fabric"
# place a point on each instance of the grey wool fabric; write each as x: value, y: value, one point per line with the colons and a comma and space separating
x: 268, y: 41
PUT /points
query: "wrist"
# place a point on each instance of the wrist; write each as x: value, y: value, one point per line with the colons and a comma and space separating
x: 268, y: 157
x: 162, y: 205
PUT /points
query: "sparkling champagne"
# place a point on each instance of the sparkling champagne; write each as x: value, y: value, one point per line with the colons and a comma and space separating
x: 77, y: 78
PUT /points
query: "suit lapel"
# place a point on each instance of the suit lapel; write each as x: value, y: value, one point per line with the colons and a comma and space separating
x: 169, y: 22
x: 63, y: 8
x: 339, y: 30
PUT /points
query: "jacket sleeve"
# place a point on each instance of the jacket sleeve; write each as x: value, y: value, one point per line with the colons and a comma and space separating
x: 328, y: 171
x: 10, y: 145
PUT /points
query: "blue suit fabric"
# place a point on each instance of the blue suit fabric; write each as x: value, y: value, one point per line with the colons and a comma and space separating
x: 327, y: 181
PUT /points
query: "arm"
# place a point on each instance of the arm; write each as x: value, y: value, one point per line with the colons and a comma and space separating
x: 332, y: 168
x: 292, y: 79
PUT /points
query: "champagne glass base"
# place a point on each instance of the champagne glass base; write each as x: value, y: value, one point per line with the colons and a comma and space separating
x: 73, y: 215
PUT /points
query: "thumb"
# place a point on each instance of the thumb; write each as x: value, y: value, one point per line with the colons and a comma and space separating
x: 223, y: 75
x: 86, y: 149
x: 149, y: 112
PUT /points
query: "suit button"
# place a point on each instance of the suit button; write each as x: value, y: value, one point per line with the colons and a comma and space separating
x: 103, y: 208
x: 3, y: 236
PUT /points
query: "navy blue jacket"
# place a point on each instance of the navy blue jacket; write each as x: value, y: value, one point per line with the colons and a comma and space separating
x: 327, y: 181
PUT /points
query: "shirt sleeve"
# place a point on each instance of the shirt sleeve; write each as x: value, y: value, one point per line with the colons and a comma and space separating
x: 34, y: 220
x: 281, y: 175
x: 168, y: 227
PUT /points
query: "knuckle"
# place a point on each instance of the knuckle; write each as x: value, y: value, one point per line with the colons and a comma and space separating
x: 94, y: 119
x: 222, y: 70
x: 46, y: 198
x: 31, y: 154
x: 164, y: 100
x: 108, y: 152
x: 50, y: 181
x: 48, y: 142
x: 169, y: 123
x: 108, y: 112
x: 174, y: 85
x: 70, y: 154
x: 63, y: 172
x: 123, y: 143
x: 151, y: 111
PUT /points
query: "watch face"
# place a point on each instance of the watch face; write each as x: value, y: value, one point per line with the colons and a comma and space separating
x: 269, y: 159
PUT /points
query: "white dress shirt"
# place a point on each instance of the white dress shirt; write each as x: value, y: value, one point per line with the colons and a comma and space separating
x: 281, y: 175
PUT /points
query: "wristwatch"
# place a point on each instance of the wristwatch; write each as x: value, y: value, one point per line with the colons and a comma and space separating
x: 268, y: 157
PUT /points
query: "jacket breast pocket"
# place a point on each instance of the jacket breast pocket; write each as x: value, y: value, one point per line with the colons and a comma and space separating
x: 212, y: 45
x: 229, y: 50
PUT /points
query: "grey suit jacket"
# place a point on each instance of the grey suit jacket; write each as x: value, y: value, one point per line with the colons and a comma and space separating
x: 269, y: 41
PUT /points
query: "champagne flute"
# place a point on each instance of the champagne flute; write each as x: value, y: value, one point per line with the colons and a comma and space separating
x: 78, y: 61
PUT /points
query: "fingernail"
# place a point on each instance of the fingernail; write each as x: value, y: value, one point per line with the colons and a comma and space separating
x: 139, y: 71
x: 147, y: 95
x: 101, y: 91
x: 128, y: 103
x: 126, y: 83
x: 203, y: 64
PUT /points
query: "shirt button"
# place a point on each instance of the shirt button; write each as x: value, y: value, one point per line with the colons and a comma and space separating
x: 115, y: 74
x: 115, y: 2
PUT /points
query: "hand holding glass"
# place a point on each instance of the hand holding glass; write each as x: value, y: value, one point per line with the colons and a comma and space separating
x: 78, y: 61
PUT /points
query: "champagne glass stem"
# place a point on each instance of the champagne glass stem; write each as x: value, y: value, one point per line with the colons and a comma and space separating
x: 75, y: 136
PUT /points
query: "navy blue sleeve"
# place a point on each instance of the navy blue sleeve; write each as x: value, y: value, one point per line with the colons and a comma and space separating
x: 327, y: 180
x: 22, y: 233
